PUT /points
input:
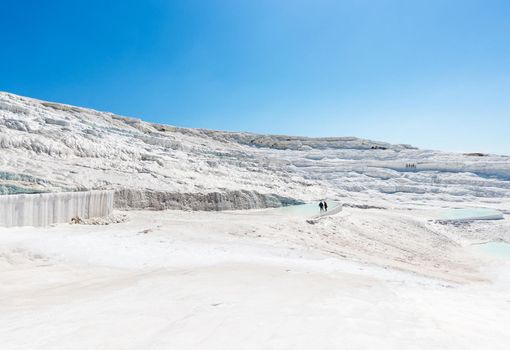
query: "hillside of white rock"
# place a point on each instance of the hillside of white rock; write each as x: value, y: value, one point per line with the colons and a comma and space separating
x: 382, y: 273
x: 47, y: 147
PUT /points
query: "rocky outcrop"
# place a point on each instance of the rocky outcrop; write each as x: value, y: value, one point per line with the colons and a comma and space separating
x: 226, y: 200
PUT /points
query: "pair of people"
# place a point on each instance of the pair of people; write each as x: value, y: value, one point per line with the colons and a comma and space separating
x: 323, y: 206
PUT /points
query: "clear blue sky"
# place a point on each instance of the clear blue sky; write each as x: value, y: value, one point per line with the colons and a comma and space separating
x: 433, y: 73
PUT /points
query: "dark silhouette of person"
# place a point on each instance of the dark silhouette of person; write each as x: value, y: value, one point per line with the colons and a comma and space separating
x: 325, y: 206
x: 321, y: 206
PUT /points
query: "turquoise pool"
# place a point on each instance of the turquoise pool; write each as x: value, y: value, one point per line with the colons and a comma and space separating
x: 470, y: 214
x: 498, y: 249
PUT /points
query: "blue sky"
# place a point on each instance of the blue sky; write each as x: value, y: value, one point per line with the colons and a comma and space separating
x: 435, y: 73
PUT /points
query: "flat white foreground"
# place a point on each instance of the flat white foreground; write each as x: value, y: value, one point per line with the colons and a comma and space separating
x: 250, y: 280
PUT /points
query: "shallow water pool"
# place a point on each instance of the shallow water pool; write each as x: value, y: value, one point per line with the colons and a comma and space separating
x: 499, y: 249
x: 470, y: 214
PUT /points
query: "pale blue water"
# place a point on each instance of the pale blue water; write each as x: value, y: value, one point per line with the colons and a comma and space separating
x: 470, y: 214
x: 498, y: 249
x: 309, y: 209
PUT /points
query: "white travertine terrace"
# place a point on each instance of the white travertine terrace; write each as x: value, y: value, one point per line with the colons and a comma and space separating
x: 381, y: 273
x: 50, y: 147
x: 49, y: 208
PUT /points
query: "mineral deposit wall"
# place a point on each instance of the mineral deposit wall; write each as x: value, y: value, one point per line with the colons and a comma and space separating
x: 48, y: 208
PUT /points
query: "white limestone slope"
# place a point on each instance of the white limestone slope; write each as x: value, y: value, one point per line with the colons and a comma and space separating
x: 53, y: 147
x: 255, y: 279
x: 378, y: 278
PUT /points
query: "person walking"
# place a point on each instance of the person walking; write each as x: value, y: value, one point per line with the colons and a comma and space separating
x: 321, y: 206
x: 325, y: 206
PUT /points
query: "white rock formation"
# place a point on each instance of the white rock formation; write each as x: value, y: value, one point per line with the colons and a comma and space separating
x: 47, y: 147
x: 48, y: 208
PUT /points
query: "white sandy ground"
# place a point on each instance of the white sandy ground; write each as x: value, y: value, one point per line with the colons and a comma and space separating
x: 362, y: 279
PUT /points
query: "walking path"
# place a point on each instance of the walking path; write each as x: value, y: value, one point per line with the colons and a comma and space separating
x: 337, y: 209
